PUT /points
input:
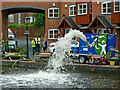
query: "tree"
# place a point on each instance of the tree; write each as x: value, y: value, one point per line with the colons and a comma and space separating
x: 39, y: 20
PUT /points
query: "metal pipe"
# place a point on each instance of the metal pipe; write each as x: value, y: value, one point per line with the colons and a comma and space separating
x: 27, y: 48
x: 93, y: 43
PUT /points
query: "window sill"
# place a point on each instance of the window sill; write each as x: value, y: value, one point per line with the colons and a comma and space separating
x: 82, y: 14
x: 106, y: 13
x: 116, y: 11
x: 53, y: 18
x: 72, y: 15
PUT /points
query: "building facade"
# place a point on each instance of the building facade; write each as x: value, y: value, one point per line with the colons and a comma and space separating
x: 18, y: 18
x: 98, y: 17
x: 89, y: 17
x: 94, y: 17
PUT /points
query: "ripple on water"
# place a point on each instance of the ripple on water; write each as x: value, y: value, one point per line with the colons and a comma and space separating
x: 40, y: 79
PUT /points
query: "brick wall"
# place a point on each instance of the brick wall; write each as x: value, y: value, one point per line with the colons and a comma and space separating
x: 49, y: 23
x: 0, y: 19
x: 19, y: 32
x: 96, y: 8
x: 22, y: 16
x: 118, y: 39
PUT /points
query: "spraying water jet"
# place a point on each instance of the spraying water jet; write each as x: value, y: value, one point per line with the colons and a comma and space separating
x: 56, y: 62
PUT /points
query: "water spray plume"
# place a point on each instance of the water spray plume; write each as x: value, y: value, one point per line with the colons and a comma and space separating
x: 56, y: 62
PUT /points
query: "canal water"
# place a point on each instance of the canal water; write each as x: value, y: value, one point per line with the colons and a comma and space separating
x: 54, y: 75
x: 37, y: 78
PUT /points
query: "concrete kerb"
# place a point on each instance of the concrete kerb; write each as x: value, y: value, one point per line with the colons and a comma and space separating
x: 69, y: 67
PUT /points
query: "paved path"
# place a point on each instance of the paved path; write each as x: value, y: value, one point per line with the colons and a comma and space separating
x: 23, y: 43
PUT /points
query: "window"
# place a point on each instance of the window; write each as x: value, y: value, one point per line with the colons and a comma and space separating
x: 11, y: 18
x: 72, y: 10
x: 82, y: 9
x: 19, y: 18
x: 106, y: 7
x: 103, y: 31
x: 116, y: 5
x: 90, y: 8
x: 53, y: 13
x: 53, y: 33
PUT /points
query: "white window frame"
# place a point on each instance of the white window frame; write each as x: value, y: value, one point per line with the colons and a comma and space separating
x: 90, y: 8
x: 82, y: 9
x: 53, y: 33
x: 118, y: 6
x: 72, y: 10
x: 106, y: 2
x: 11, y: 18
x: 53, y: 12
x: 19, y: 18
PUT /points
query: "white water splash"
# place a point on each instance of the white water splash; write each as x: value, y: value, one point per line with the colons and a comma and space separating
x: 56, y: 63
x: 43, y: 79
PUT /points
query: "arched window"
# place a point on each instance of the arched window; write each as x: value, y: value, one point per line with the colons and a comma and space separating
x: 11, y: 18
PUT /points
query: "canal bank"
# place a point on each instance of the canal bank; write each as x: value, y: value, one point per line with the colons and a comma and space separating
x: 73, y: 66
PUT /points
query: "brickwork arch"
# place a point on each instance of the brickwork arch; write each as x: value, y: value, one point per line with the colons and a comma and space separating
x: 15, y: 8
x: 18, y: 9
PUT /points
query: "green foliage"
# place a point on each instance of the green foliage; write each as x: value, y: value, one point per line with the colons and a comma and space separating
x: 10, y: 64
x: 22, y: 25
x: 5, y: 46
x: 31, y: 24
x: 39, y: 20
x: 37, y: 34
x: 13, y: 25
x: 18, y: 26
x: 20, y: 50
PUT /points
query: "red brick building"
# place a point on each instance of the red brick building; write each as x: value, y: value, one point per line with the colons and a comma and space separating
x: 16, y: 24
x: 18, y: 18
x: 105, y: 18
x: 82, y: 14
x: 98, y: 17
